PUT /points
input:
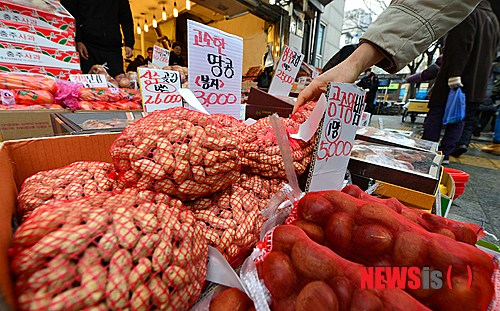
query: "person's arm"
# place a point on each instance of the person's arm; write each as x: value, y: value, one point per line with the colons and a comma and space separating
x: 347, y: 71
x: 127, y: 23
x: 407, y: 27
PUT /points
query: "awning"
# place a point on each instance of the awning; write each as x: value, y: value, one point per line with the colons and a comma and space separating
x: 231, y: 8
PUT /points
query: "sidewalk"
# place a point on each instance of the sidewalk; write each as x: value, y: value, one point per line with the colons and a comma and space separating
x: 480, y: 202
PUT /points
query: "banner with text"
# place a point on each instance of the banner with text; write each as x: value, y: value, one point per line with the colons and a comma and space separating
x: 286, y: 71
x: 345, y: 105
x: 89, y: 80
x: 215, y: 68
x: 160, y: 57
x: 159, y: 89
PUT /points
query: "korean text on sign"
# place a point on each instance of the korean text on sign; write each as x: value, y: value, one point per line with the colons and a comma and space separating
x: 160, y: 57
x: 159, y: 89
x: 89, y: 80
x: 215, y: 68
x: 287, y: 70
x: 343, y: 114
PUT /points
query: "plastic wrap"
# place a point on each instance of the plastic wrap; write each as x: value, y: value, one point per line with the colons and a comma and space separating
x: 374, y: 235
x: 27, y: 81
x: 397, y: 138
x: 67, y: 93
x: 114, y: 251
x: 26, y: 97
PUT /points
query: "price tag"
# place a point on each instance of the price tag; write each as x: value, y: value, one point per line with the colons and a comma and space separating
x: 159, y: 89
x: 345, y: 105
x: 286, y: 71
x: 89, y: 80
x: 160, y: 56
x: 215, y: 68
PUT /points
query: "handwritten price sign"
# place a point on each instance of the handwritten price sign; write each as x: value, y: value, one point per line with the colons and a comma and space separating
x: 215, y: 68
x: 287, y: 70
x: 159, y: 89
x: 336, y: 136
x: 160, y: 57
x: 89, y: 80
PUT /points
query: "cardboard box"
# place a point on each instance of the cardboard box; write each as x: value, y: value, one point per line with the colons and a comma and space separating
x: 59, y: 73
x: 27, y: 34
x: 261, y: 104
x: 446, y: 199
x: 23, y: 158
x: 15, y: 53
x: 48, y: 14
x: 407, y: 196
x: 18, y: 124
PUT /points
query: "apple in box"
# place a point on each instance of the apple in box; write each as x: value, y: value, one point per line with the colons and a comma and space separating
x: 28, y: 34
x: 46, y: 14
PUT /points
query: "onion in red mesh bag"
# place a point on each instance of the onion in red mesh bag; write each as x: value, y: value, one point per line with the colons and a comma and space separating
x: 179, y: 152
x: 67, y: 183
x: 128, y: 250
x: 261, y: 153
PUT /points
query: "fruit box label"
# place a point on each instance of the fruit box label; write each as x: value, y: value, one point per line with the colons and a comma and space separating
x: 37, y: 56
x: 49, y: 71
x: 28, y: 34
x: 47, y: 14
x: 335, y: 137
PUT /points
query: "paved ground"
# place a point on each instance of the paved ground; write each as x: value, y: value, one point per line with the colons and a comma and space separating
x: 480, y: 202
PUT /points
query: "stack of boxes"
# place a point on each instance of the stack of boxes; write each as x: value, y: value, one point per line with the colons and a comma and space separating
x: 37, y: 36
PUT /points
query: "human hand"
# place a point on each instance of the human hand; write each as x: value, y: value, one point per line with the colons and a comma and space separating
x: 129, y: 52
x: 82, y: 50
x: 454, y: 82
x: 347, y: 72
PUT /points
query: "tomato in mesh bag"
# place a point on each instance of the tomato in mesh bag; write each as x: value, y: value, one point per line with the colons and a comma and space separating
x: 460, y: 231
x: 301, y: 274
x: 182, y: 153
x: 261, y: 153
x: 374, y: 235
x: 71, y: 182
x: 117, y: 250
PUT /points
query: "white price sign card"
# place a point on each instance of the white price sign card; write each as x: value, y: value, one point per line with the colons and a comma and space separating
x: 286, y: 72
x: 89, y: 80
x: 159, y: 89
x: 215, y: 68
x: 345, y: 105
x: 160, y: 57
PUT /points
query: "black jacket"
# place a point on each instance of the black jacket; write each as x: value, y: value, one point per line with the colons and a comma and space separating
x: 176, y: 60
x: 469, y: 51
x: 98, y: 22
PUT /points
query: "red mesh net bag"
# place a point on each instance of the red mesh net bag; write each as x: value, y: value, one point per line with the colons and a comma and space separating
x: 261, y: 153
x: 180, y: 152
x: 68, y: 183
x: 302, y: 114
x: 301, y: 274
x: 375, y: 235
x: 460, y: 231
x: 131, y: 250
x: 230, y: 221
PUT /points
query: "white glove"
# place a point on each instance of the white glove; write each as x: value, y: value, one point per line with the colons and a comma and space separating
x: 454, y: 82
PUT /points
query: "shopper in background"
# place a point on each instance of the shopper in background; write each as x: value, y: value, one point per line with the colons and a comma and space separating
x: 369, y: 82
x: 98, y: 36
x: 149, y: 59
x: 495, y: 147
x: 469, y: 51
x: 265, y: 77
x: 137, y: 62
x: 175, y: 55
x: 401, y: 33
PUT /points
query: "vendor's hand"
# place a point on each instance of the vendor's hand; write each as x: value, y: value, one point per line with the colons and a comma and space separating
x: 82, y: 50
x: 454, y: 82
x: 347, y: 72
x: 129, y: 52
